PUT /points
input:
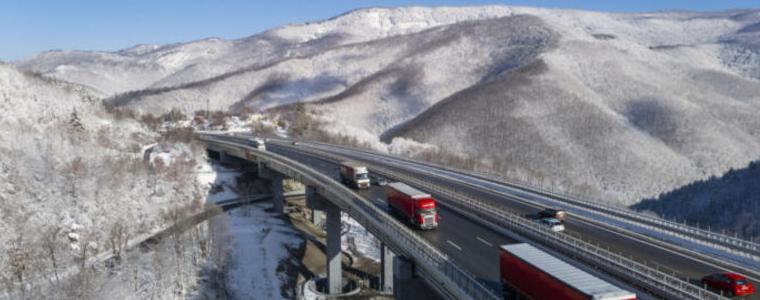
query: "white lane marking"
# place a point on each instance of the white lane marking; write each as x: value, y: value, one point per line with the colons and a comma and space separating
x: 484, y: 241
x: 488, y: 188
x: 454, y: 245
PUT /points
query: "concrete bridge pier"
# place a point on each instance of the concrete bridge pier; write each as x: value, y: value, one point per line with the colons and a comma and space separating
x: 403, y: 278
x: 386, y: 268
x: 332, y: 253
x: 316, y: 204
x: 275, y: 178
x: 325, y: 212
x: 278, y: 195
x: 262, y: 170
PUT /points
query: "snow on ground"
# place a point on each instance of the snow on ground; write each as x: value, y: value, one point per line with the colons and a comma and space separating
x: 357, y: 240
x: 209, y: 175
x: 168, y: 154
x: 260, y: 242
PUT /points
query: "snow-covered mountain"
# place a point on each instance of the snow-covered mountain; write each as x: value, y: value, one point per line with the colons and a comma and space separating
x: 623, y: 106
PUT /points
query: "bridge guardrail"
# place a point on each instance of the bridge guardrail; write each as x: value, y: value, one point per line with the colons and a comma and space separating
x: 443, y: 274
x: 634, y: 272
x: 734, y: 245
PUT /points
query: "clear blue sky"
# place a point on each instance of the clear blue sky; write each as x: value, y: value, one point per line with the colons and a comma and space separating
x: 30, y: 26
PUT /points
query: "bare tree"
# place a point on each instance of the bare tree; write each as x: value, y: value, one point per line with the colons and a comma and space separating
x: 302, y: 122
x: 75, y: 122
x: 175, y: 215
x: 220, y: 237
x: 51, y: 246
x: 82, y: 285
x: 151, y: 121
x: 118, y: 238
x: 258, y: 128
x: 200, y: 239
x: 153, y: 175
x: 219, y: 120
x: 19, y: 257
x: 74, y: 171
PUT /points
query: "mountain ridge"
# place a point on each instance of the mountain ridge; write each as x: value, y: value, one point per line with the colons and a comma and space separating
x: 620, y: 96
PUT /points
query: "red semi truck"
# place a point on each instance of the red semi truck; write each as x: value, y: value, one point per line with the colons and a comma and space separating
x: 526, y: 271
x: 414, y: 205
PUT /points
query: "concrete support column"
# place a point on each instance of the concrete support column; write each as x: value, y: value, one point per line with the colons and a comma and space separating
x: 318, y: 218
x: 333, y: 254
x: 316, y: 203
x: 386, y: 268
x: 223, y: 157
x: 262, y: 170
x: 403, y: 278
x: 278, y: 197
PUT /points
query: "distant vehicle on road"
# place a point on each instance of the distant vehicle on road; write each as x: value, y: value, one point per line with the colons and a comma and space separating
x: 381, y: 181
x: 730, y: 284
x: 414, y: 205
x: 555, y: 213
x: 553, y: 224
x: 354, y: 174
x: 257, y: 143
x: 294, y: 143
x: 528, y: 272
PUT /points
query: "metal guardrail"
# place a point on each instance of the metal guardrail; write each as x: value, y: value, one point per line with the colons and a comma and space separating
x: 731, y: 244
x: 734, y: 245
x: 441, y: 272
x: 633, y: 272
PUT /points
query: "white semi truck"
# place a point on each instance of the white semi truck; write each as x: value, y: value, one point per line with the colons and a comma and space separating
x: 354, y: 174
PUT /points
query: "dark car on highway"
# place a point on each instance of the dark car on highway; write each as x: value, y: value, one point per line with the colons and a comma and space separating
x: 554, y: 213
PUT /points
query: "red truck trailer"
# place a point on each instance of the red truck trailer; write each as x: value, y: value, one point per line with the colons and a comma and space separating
x: 414, y: 205
x: 529, y: 272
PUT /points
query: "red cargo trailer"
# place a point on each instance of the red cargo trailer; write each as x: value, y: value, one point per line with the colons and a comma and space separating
x: 414, y: 205
x: 535, y: 274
